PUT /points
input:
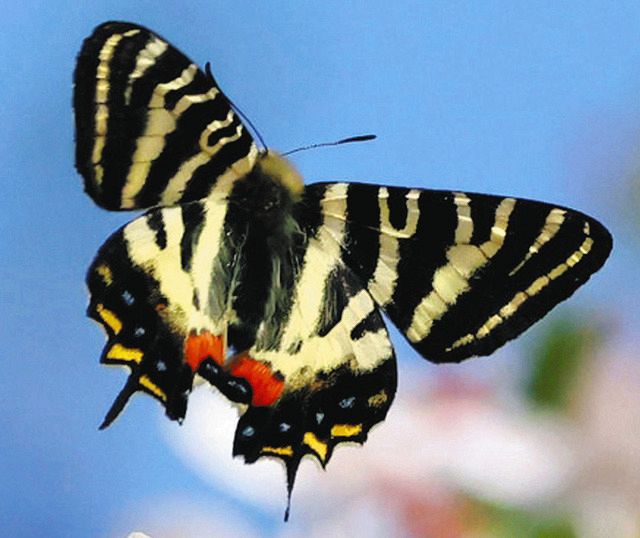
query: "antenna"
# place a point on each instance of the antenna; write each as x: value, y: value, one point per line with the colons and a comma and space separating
x: 358, y: 138
x: 207, y: 70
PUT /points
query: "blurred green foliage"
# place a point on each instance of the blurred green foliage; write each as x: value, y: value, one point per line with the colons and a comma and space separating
x: 504, y: 522
x: 557, y: 361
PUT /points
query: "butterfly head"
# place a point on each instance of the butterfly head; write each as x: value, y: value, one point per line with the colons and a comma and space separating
x: 282, y: 171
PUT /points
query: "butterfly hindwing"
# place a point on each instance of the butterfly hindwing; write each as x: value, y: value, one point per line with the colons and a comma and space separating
x: 151, y: 127
x: 336, y: 364
x: 129, y: 303
x: 150, y: 285
x: 314, y: 348
x: 461, y: 274
x: 176, y: 288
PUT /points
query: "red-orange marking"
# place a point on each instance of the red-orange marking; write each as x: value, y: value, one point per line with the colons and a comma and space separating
x: 199, y: 347
x: 266, y: 386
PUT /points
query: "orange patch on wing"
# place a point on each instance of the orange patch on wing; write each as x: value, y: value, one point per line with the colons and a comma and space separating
x: 265, y: 385
x: 199, y: 347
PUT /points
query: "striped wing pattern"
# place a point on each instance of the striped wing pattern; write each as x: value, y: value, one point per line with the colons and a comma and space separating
x: 461, y: 274
x: 175, y: 290
x: 330, y: 345
x: 145, y: 284
x: 151, y: 127
x: 273, y: 292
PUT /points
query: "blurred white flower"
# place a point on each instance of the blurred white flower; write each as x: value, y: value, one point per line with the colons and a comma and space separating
x: 175, y: 516
x: 205, y: 443
x: 454, y: 437
x: 606, y: 493
x: 435, y: 444
x: 440, y: 442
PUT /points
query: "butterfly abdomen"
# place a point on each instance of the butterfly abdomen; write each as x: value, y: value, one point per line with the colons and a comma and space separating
x: 270, y: 246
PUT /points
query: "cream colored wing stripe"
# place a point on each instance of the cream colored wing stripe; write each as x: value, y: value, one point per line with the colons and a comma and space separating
x: 554, y: 221
x: 206, y: 254
x: 383, y: 283
x: 533, y: 289
x: 149, y: 146
x: 146, y: 58
x: 151, y: 127
x: 452, y: 279
x: 319, y: 259
x: 179, y: 181
x: 103, y: 72
x: 164, y: 264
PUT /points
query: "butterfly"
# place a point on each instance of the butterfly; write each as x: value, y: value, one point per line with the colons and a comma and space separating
x: 271, y: 290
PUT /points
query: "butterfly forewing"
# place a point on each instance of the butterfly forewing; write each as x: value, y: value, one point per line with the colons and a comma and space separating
x: 151, y: 127
x: 461, y: 274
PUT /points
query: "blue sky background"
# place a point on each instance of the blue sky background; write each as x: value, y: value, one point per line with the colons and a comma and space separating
x: 532, y: 99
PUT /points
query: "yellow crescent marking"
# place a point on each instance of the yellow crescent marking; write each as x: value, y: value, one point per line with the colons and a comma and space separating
x: 378, y: 399
x: 278, y: 451
x: 111, y: 320
x: 105, y: 272
x: 316, y: 445
x: 155, y: 389
x: 346, y: 430
x: 118, y: 351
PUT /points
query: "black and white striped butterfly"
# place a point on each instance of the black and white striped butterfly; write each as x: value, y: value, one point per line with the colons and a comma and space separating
x: 272, y: 291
